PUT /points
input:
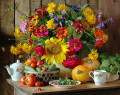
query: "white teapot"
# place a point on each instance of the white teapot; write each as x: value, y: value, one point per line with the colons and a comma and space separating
x: 15, y: 70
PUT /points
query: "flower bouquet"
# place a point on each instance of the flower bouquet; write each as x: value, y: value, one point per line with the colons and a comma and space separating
x: 57, y: 35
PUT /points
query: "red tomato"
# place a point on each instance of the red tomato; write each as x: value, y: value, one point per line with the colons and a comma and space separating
x: 39, y: 62
x: 33, y: 65
x: 41, y: 83
x: 31, y: 80
x: 22, y: 80
x: 37, y: 84
x: 34, y: 60
x: 29, y: 61
x: 40, y: 66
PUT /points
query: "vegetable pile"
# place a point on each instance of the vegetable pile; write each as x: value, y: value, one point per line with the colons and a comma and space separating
x: 38, y: 66
x: 110, y: 63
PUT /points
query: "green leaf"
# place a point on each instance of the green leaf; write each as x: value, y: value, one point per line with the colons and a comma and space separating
x: 76, y: 35
x: 84, y: 6
x: 73, y: 14
x: 118, y: 56
x: 70, y: 30
x: 79, y: 18
x: 106, y: 63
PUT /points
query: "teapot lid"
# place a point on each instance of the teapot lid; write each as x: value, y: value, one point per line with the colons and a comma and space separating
x: 17, y: 63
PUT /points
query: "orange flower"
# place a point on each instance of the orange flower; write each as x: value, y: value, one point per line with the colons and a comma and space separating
x: 99, y: 33
x: 61, y: 32
x: 99, y: 43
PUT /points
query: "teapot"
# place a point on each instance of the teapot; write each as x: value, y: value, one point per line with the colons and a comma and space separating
x: 15, y: 70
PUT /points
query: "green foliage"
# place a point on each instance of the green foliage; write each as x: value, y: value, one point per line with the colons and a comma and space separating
x: 65, y: 81
x: 110, y: 63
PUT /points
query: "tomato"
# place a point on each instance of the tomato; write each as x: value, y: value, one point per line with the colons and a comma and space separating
x: 29, y: 61
x: 22, y: 80
x: 40, y: 66
x: 34, y: 60
x: 33, y: 65
x: 39, y: 62
x: 41, y: 83
x: 37, y: 84
x: 31, y: 80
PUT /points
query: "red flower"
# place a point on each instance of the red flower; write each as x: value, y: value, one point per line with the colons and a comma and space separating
x: 71, y: 53
x: 40, y: 50
x: 30, y: 41
x: 71, y: 62
x: 99, y: 43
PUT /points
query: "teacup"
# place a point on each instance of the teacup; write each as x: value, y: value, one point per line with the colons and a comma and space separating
x: 99, y: 77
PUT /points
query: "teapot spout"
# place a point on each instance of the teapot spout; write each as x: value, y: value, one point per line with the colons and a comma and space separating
x: 10, y: 71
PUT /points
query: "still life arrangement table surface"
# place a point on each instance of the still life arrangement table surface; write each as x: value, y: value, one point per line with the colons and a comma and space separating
x: 89, y: 86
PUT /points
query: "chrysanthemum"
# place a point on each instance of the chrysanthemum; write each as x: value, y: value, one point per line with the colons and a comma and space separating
x: 75, y: 44
x: 99, y: 43
x: 91, y: 19
x: 93, y: 55
x: 50, y: 24
x: 61, y: 32
x: 55, y: 49
x: 52, y: 7
x: 87, y: 11
x: 27, y: 48
x: 62, y: 7
x: 93, y: 30
x: 105, y: 38
x: 18, y: 34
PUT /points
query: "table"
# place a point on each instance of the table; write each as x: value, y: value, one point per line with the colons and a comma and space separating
x: 88, y: 88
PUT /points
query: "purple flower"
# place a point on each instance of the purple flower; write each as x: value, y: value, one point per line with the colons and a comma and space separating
x: 111, y: 20
x: 76, y: 9
x: 56, y: 23
x: 62, y: 17
x: 61, y: 24
x: 56, y: 18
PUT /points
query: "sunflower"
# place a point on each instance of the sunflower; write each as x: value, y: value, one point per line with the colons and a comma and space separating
x: 61, y: 32
x: 55, y: 49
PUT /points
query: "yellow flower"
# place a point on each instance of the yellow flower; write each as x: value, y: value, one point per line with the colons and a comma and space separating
x: 55, y: 50
x: 18, y: 34
x: 91, y: 19
x: 87, y: 25
x: 93, y: 30
x: 62, y: 7
x: 27, y: 48
x: 20, y: 56
x: 50, y: 24
x: 3, y: 49
x: 105, y: 38
x: 15, y: 50
x: 87, y: 11
x: 52, y: 7
x: 93, y: 55
x: 25, y: 63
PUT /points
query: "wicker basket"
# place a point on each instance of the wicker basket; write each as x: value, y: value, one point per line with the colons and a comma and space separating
x: 112, y: 77
x: 44, y: 76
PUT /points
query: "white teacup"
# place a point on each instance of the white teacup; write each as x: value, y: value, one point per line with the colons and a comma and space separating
x: 99, y: 77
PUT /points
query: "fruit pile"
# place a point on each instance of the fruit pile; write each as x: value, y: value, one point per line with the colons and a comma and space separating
x: 31, y: 80
x: 35, y: 65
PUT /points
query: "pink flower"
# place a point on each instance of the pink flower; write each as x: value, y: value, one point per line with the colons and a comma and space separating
x: 23, y: 27
x: 40, y: 50
x: 75, y: 44
x: 71, y: 53
x: 41, y: 31
x: 71, y: 62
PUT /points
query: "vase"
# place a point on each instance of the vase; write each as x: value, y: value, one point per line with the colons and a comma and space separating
x: 64, y: 72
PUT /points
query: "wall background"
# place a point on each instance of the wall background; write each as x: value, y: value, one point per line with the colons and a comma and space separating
x: 110, y: 8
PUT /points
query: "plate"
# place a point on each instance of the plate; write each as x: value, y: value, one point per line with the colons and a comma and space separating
x: 54, y: 82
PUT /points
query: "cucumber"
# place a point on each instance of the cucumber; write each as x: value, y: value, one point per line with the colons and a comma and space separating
x: 38, y: 69
x: 28, y: 68
x: 52, y: 67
